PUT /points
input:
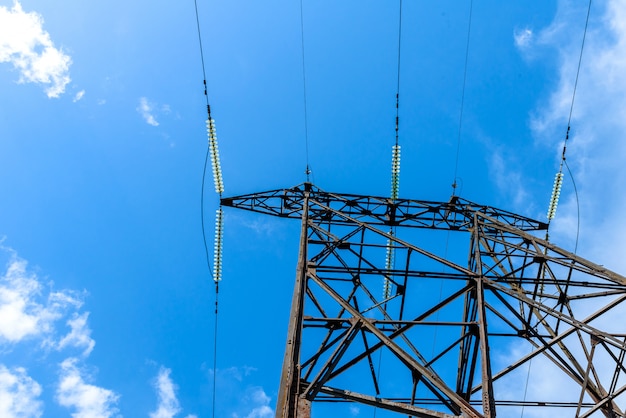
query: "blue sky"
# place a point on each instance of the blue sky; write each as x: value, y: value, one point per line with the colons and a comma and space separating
x: 106, y: 304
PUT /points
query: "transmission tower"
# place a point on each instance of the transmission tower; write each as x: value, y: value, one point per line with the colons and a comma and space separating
x: 452, y: 335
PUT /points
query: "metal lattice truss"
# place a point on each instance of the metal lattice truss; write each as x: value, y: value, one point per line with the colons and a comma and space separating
x: 458, y: 335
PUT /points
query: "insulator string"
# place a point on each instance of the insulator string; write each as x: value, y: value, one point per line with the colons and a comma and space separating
x: 219, y: 237
x: 556, y: 193
x: 212, y: 153
x: 215, y: 157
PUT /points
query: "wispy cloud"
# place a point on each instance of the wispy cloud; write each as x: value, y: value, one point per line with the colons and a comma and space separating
x: 28, y: 47
x: 146, y: 110
x: 523, y: 37
x: 595, y: 153
x: 80, y: 334
x: 19, y: 394
x: 253, y: 403
x: 24, y: 313
x: 596, y: 149
x: 168, y: 405
x: 234, y: 388
x: 29, y: 317
x: 87, y: 400
x: 78, y: 96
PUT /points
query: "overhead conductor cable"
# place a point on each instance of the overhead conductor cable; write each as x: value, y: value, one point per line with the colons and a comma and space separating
x: 395, y: 168
x: 213, y: 153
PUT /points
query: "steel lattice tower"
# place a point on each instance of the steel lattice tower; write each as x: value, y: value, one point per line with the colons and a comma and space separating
x: 539, y: 305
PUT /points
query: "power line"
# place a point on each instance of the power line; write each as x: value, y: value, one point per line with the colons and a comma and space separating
x: 306, y: 123
x: 399, y: 66
x: 458, y: 147
x: 559, y: 176
x: 213, y: 153
x: 458, y: 141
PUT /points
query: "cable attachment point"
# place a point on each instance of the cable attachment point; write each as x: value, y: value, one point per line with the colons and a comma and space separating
x: 215, y: 157
x: 556, y: 193
x: 219, y: 238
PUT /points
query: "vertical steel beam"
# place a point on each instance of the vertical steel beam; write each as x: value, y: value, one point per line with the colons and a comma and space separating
x: 489, y: 404
x: 289, y: 404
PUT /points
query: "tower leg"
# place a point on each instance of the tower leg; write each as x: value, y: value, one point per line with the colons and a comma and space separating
x: 289, y: 403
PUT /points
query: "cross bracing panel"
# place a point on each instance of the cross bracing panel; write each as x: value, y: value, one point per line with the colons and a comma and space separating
x: 464, y: 332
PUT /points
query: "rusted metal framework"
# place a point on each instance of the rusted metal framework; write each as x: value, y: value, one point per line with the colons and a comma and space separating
x: 458, y: 336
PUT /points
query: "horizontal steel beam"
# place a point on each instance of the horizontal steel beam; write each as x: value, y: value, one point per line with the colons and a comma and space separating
x: 455, y: 214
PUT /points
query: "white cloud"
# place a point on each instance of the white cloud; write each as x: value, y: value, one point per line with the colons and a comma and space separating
x: 595, y: 153
x: 80, y: 334
x: 78, y: 96
x: 146, y: 110
x: 89, y: 401
x: 28, y: 47
x: 255, y: 404
x: 24, y: 312
x: 233, y: 389
x: 523, y: 37
x: 166, y: 391
x: 19, y: 394
x: 596, y: 149
x: 29, y: 313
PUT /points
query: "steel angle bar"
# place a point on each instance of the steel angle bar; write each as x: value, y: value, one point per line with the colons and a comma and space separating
x: 323, y: 348
x: 619, y: 365
x: 568, y: 259
x: 315, y: 302
x: 455, y: 214
x: 288, y: 403
x: 573, y: 367
x: 548, y: 346
x: 408, y: 326
x: 403, y: 408
x: 582, y: 325
x: 604, y: 401
x: 547, y: 350
x: 399, y: 241
x: 489, y: 406
x: 402, y: 355
x: 370, y: 363
x: 325, y: 372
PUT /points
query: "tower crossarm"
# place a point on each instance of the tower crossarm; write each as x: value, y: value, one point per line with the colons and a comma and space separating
x: 455, y: 214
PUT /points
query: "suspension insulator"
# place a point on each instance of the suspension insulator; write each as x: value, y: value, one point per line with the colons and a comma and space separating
x: 388, y: 267
x: 215, y: 157
x: 219, y: 238
x: 556, y: 193
x: 395, y: 172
